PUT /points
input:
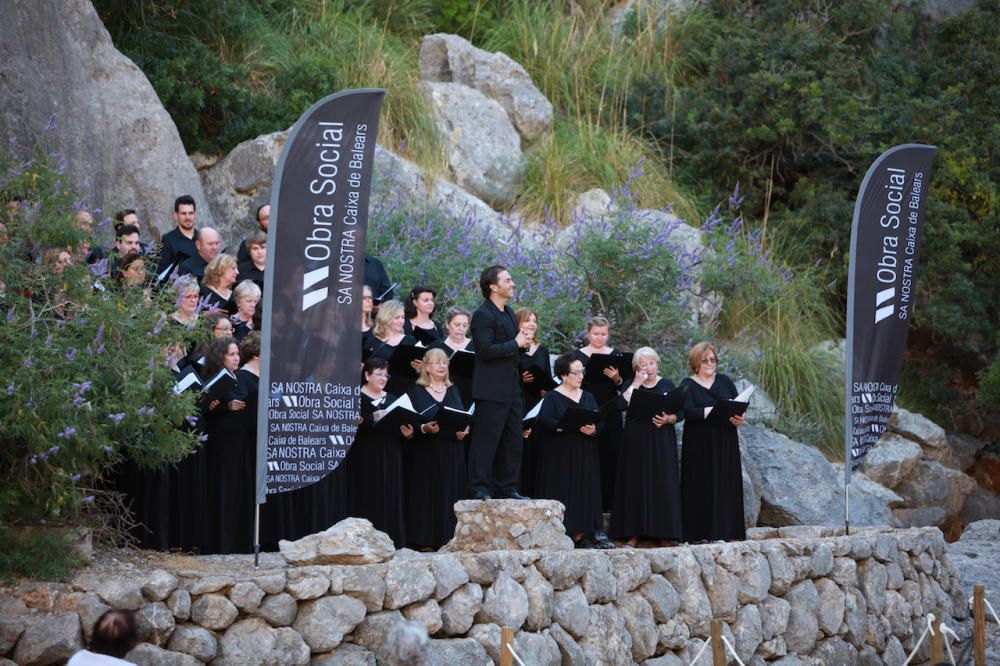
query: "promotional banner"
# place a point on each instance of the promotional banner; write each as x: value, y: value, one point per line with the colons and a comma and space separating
x: 311, y: 343
x: 885, y: 248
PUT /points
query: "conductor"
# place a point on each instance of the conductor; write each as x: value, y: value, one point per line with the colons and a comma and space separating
x: 495, y: 453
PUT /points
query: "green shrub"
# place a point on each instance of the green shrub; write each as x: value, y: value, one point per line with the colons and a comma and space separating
x: 36, y: 554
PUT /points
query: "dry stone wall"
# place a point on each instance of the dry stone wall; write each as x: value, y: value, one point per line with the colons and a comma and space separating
x: 787, y: 593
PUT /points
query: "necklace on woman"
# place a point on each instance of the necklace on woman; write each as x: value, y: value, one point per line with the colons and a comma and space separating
x: 437, y: 389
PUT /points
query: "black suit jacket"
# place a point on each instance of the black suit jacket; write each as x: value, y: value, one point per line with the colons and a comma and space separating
x: 497, y: 376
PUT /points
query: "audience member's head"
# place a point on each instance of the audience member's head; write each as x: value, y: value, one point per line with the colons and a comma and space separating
x: 221, y: 272
x: 208, y: 243
x: 184, y: 212
x: 115, y: 633
x: 246, y: 295
x: 84, y: 221
x: 250, y: 347
x: 264, y: 216
x: 126, y: 238
x: 127, y: 216
x: 219, y: 325
x: 257, y: 247
x: 187, y: 292
x: 131, y: 270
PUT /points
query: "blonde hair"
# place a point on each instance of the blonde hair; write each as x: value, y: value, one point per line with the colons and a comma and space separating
x: 213, y: 272
x: 598, y: 321
x: 432, y: 355
x: 244, y: 289
x: 366, y: 317
x: 644, y: 352
x: 698, y: 352
x: 386, y: 313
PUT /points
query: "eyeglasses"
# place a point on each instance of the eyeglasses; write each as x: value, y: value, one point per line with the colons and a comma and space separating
x: 382, y: 375
x: 709, y: 361
x: 576, y: 372
x: 442, y: 362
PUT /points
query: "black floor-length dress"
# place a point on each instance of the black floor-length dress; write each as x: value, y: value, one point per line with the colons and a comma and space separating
x: 436, y: 477
x: 531, y: 395
x: 398, y: 384
x: 648, y: 486
x: 711, y: 471
x: 610, y: 438
x: 566, y: 464
x: 375, y: 470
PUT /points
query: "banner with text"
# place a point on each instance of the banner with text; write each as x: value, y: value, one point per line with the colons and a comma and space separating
x: 310, y: 349
x: 881, y: 284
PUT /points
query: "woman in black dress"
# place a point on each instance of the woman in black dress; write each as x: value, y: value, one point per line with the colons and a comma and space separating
x: 229, y: 462
x: 217, y: 285
x: 711, y: 472
x: 604, y: 391
x: 367, y: 305
x: 418, y: 309
x: 536, y: 356
x: 435, y: 460
x: 456, y: 324
x: 386, y: 335
x: 246, y: 296
x: 648, y: 489
x: 566, y: 461
x: 375, y: 461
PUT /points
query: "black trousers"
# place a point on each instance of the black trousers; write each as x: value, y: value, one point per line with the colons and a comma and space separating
x: 495, y: 452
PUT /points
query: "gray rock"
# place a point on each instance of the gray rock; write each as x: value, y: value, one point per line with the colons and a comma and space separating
x: 964, y: 450
x: 695, y: 608
x: 346, y: 654
x: 835, y: 650
x: 981, y: 504
x: 49, y: 639
x: 571, y: 611
x: 723, y: 591
x: 892, y: 460
x: 894, y: 652
x: 509, y: 525
x: 831, y: 606
x: 449, y: 574
x: 306, y: 586
x: 213, y: 611
x: 426, y: 613
x: 755, y: 582
x: 748, y: 630
x: 460, y: 608
x: 638, y: 617
x: 351, y: 541
x: 782, y: 571
x: 668, y: 659
x: 630, y: 567
x: 569, y: 650
x: 673, y: 634
x: 899, y: 613
x: 246, y: 596
x: 800, y: 635
x: 774, y: 612
x: 253, y: 641
x: 484, y: 149
x: 930, y: 516
x: 11, y: 629
x: 932, y: 484
x: 662, y: 597
x: 271, y: 583
x: 158, y: 585
x: 539, y: 649
x: 449, y: 58
x: 929, y: 435
x: 975, y: 556
x: 204, y: 584
x: 155, y: 623
x: 873, y: 579
x: 195, y: 641
x: 593, y: 203
x: 607, y: 637
x: 752, y: 482
x: 121, y: 593
x: 452, y: 651
x: 179, y: 603
x: 145, y: 654
x: 408, y: 581
x: 103, y: 105
x: 376, y: 630
x: 505, y: 603
x: 821, y: 561
x: 599, y: 582
x: 540, y: 594
x: 279, y: 610
x: 323, y: 622
x: 488, y: 636
x: 365, y: 583
x: 562, y: 569
x: 240, y: 182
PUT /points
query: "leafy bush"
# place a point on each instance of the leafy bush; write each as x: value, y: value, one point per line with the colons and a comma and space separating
x: 36, y: 554
x: 83, y: 383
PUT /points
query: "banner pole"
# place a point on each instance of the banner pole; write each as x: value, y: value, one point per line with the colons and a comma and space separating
x: 256, y: 536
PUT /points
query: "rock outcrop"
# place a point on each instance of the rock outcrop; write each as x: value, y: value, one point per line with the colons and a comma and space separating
x: 509, y: 525
x: 119, y: 144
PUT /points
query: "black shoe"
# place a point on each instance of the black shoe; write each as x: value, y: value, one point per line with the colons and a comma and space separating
x: 603, y: 542
x: 514, y: 495
x: 481, y: 495
x: 586, y: 541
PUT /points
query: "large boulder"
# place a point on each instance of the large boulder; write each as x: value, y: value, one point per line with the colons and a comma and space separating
x: 892, y: 460
x: 930, y: 436
x: 452, y: 59
x: 975, y: 556
x: 351, y: 541
x: 800, y: 487
x: 120, y: 145
x: 931, y: 484
x: 484, y: 149
x: 509, y: 525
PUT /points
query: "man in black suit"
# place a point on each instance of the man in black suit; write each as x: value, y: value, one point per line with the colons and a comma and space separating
x: 495, y: 454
